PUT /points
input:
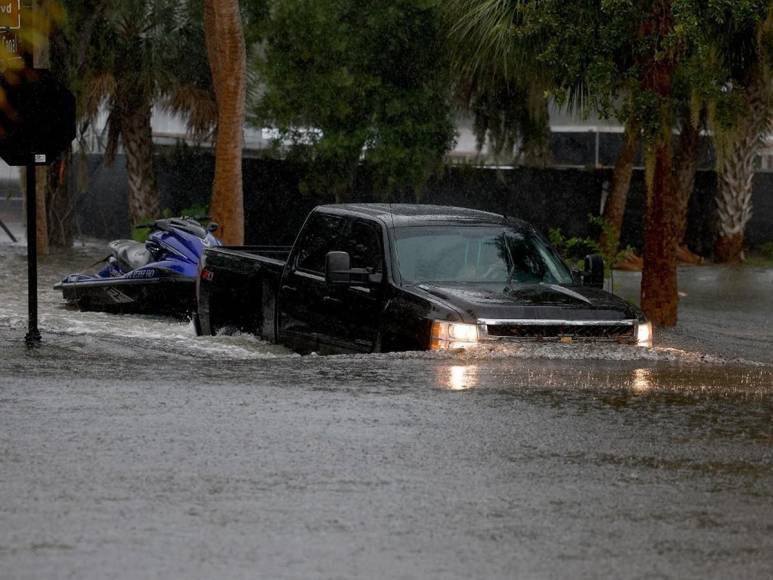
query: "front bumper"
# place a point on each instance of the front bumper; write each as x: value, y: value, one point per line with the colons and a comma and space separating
x: 454, y: 335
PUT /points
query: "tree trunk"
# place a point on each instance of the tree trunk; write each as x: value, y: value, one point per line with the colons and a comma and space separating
x: 60, y: 204
x: 137, y: 138
x: 227, y: 61
x: 614, y: 209
x: 735, y: 173
x: 729, y: 249
x: 685, y: 166
x: 659, y: 294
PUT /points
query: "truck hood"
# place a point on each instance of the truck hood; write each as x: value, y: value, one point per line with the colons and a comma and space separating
x: 532, y: 301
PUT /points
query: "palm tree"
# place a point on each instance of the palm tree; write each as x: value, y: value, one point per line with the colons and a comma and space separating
x: 750, y: 92
x: 498, y: 81
x: 735, y: 167
x: 504, y: 84
x: 127, y: 57
x: 227, y: 61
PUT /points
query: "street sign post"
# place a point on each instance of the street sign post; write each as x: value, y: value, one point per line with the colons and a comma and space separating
x: 33, y: 333
x: 37, y: 122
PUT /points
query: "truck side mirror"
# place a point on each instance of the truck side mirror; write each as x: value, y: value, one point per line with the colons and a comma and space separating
x: 593, y: 272
x: 337, y: 269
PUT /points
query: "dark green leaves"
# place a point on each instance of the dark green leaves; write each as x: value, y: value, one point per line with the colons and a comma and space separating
x: 347, y: 81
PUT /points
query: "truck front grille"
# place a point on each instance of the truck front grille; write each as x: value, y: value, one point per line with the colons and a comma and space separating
x: 618, y: 331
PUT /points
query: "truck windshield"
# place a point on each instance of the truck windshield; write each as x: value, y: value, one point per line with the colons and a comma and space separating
x: 477, y: 254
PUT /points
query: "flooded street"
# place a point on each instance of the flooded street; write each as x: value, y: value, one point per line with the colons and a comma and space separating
x: 131, y: 448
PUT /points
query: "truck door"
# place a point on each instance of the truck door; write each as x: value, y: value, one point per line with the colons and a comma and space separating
x: 301, y: 305
x: 350, y: 316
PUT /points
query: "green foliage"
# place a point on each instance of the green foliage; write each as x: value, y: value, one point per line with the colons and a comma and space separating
x: 574, y: 249
x: 766, y: 250
x: 348, y: 81
x: 761, y: 257
x: 597, y: 56
x: 141, y: 234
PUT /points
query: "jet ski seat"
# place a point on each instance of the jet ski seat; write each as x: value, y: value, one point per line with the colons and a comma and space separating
x: 130, y: 254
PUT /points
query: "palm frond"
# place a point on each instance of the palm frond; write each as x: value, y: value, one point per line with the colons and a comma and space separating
x: 484, y: 44
x: 197, y: 106
x: 98, y: 89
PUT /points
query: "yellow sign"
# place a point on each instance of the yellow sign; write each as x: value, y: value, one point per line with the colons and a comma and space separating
x: 9, y: 15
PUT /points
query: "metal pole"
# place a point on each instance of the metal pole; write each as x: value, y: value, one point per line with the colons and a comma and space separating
x: 7, y: 231
x: 33, y: 334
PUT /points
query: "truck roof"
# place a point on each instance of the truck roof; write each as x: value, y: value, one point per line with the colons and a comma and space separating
x: 406, y: 214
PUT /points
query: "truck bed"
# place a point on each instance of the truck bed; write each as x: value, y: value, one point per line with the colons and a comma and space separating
x: 241, y: 257
x: 237, y: 288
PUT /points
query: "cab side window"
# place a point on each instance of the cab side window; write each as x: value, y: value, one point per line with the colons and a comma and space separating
x: 364, y: 246
x: 323, y: 234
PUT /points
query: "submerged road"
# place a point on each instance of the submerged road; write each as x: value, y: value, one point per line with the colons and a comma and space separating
x: 131, y: 449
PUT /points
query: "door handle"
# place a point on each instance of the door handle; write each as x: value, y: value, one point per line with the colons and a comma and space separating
x: 330, y: 300
x: 291, y: 289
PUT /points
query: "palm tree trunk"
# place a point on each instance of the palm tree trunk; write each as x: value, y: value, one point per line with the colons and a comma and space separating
x: 137, y: 137
x: 659, y: 294
x: 60, y: 204
x: 685, y: 166
x: 227, y: 61
x: 614, y: 209
x: 735, y: 173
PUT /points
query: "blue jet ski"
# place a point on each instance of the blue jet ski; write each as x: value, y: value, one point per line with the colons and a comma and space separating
x: 155, y: 277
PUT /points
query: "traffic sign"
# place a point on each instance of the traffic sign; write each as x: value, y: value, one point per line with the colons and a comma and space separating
x: 37, y: 117
x: 9, y: 14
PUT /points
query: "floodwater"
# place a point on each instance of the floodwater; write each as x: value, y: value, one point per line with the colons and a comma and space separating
x: 131, y: 449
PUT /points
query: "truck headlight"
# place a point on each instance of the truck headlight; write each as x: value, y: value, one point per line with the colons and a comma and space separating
x: 451, y: 335
x: 644, y: 334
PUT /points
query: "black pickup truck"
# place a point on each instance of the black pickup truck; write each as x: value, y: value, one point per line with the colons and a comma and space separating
x: 379, y: 278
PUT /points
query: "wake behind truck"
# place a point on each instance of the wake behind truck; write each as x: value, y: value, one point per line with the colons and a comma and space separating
x: 383, y: 277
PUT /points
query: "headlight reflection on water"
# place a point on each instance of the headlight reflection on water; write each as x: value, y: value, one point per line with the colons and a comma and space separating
x: 641, y: 380
x: 458, y: 377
